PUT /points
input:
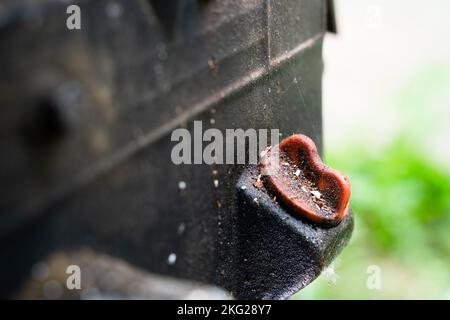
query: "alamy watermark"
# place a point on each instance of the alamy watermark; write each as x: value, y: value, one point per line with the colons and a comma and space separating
x: 213, y: 146
x: 74, y: 279
x: 73, y: 21
x: 373, y: 281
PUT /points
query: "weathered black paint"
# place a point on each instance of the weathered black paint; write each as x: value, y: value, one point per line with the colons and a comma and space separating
x: 279, y: 253
x: 108, y: 183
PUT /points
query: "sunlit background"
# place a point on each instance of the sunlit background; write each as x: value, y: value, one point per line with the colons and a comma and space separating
x: 386, y: 100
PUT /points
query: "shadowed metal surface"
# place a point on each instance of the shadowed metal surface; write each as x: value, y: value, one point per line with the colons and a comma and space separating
x: 101, y: 176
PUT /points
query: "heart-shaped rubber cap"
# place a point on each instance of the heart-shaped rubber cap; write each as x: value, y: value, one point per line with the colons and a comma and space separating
x: 299, y: 179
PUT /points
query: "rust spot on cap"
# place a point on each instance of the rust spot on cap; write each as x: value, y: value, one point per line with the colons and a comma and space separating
x: 294, y: 172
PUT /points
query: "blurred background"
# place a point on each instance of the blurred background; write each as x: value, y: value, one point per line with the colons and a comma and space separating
x: 386, y: 108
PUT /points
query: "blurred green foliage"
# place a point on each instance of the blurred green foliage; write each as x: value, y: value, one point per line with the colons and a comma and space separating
x: 401, y: 198
x: 401, y: 204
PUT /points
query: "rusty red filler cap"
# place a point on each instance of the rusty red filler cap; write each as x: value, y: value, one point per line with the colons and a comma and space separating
x: 299, y: 179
